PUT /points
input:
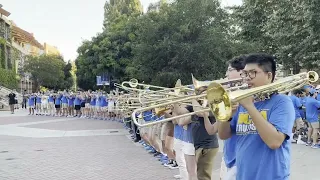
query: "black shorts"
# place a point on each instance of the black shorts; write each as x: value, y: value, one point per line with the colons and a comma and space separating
x: 83, y: 104
x: 57, y: 106
x: 77, y: 107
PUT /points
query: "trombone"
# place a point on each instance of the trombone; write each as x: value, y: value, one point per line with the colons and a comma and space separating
x: 220, y: 100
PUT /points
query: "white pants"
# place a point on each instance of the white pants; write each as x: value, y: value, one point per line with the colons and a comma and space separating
x: 227, y: 173
x: 178, y: 148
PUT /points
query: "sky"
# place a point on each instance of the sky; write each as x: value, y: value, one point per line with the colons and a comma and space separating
x: 63, y: 23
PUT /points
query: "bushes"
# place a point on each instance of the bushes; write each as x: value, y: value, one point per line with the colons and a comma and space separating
x: 8, y: 78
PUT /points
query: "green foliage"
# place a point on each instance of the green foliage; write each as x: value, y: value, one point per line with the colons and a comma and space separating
x: 115, y: 9
x: 171, y: 41
x: 288, y: 29
x: 49, y: 71
x: 8, y: 78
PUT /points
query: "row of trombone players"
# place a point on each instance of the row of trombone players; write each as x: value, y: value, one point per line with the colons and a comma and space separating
x: 248, y: 110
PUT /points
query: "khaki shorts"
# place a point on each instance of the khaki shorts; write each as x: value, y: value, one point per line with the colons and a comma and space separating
x: 51, y: 105
x: 298, y: 123
x: 314, y: 124
x: 64, y: 105
x: 98, y: 108
x: 44, y: 105
x: 38, y: 106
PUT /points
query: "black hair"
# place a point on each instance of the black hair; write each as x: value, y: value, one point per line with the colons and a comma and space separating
x: 265, y: 61
x: 297, y: 91
x: 237, y: 63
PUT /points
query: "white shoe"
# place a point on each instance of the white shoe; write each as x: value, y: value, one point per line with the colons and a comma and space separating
x: 177, y: 176
x: 301, y: 142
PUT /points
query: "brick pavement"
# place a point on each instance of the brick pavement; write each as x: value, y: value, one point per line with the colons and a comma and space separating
x: 88, y: 154
x: 85, y: 157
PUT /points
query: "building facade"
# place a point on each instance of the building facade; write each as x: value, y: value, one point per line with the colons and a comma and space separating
x: 51, y: 50
x: 24, y: 44
x: 16, y: 44
x: 6, y: 61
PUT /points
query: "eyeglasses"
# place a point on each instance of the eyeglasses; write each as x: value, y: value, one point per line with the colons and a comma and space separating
x: 231, y: 69
x: 251, y: 74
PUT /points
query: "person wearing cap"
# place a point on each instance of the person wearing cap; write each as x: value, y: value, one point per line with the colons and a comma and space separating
x: 312, y: 107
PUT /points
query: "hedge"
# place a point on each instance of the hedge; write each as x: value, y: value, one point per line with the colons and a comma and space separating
x: 8, y: 79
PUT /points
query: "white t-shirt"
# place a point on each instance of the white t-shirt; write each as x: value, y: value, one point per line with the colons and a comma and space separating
x: 44, y: 99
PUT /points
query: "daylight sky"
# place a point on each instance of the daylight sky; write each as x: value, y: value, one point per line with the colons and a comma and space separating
x: 63, y: 23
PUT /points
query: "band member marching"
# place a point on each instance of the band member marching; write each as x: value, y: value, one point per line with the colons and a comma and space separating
x: 262, y: 127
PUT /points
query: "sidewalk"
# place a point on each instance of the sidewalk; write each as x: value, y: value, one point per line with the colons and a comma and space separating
x: 40, y: 148
x: 55, y: 148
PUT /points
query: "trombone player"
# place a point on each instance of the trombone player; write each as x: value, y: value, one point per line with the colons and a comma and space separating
x: 262, y: 126
x: 228, y: 169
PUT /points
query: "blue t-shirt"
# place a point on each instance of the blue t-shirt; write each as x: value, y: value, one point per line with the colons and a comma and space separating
x: 254, y: 159
x: 303, y: 111
x: 31, y: 101
x: 229, y: 151
x: 77, y: 101
x: 93, y: 101
x: 64, y: 100
x: 312, y: 106
x: 58, y: 100
x: 51, y: 99
x: 187, y: 133
x: 148, y: 116
x: 70, y: 101
x: 38, y: 100
x: 297, y: 105
x: 178, y: 132
x: 98, y: 101
x: 103, y: 101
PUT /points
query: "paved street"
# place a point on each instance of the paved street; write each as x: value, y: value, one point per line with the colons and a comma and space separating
x: 33, y: 148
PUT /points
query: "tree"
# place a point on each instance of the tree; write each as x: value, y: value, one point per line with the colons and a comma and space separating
x: 67, y: 82
x: 47, y: 71
x: 182, y: 38
x: 110, y: 51
x: 115, y: 9
x: 287, y: 29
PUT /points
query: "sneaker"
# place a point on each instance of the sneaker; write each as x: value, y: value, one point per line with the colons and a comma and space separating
x: 315, y: 146
x: 164, y: 161
x: 152, y: 151
x: 174, y: 165
x: 308, y: 144
x: 301, y: 142
x: 169, y: 163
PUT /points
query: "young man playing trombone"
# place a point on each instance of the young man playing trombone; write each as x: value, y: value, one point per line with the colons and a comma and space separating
x: 228, y: 169
x: 262, y: 126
